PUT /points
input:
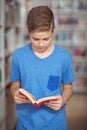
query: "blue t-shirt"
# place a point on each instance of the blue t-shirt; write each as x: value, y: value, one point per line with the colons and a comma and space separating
x: 42, y: 77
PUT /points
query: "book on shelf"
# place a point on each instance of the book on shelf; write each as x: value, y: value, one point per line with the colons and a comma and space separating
x: 37, y: 103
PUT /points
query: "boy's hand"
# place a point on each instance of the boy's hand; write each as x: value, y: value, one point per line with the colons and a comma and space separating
x: 19, y: 98
x: 56, y: 104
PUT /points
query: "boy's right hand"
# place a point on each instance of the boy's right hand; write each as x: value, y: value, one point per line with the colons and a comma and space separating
x: 19, y: 98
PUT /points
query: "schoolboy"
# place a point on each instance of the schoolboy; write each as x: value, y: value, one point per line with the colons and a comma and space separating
x: 44, y: 69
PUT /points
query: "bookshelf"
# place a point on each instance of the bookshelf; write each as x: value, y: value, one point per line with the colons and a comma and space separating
x: 12, y: 27
x: 71, y: 32
x: 2, y: 93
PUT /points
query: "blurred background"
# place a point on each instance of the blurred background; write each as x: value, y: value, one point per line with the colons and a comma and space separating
x: 70, y: 32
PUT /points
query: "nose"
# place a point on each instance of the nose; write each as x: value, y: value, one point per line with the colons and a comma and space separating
x: 41, y: 43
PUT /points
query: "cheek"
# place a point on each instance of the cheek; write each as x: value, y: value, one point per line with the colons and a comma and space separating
x: 49, y: 42
x: 35, y: 43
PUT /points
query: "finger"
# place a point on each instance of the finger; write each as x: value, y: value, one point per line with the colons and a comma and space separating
x: 53, y: 102
x: 21, y: 100
x: 53, y: 107
x: 18, y: 94
x: 22, y: 96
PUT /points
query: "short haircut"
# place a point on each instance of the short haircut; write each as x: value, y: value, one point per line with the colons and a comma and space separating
x: 40, y: 18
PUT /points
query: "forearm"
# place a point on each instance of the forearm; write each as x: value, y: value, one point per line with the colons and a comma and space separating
x: 14, y: 87
x: 67, y: 92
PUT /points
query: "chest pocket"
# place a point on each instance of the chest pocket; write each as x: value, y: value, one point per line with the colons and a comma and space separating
x: 53, y: 83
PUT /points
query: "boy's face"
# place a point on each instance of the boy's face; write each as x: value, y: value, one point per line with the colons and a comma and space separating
x: 41, y: 41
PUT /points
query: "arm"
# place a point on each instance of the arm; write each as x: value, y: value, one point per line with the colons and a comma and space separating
x: 67, y: 92
x: 66, y: 95
x: 18, y: 98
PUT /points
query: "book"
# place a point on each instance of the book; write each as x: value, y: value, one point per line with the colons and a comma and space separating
x: 37, y: 103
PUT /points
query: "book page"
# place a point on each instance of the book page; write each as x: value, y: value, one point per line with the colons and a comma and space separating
x: 46, y: 99
x: 28, y: 95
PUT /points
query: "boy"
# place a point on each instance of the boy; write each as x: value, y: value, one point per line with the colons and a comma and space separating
x: 44, y: 69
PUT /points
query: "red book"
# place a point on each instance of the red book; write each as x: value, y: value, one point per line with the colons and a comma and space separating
x: 39, y: 102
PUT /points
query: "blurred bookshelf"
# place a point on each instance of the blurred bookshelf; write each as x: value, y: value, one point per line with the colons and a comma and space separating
x: 12, y: 26
x: 71, y: 32
x: 2, y: 93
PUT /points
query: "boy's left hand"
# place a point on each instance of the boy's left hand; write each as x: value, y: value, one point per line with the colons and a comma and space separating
x: 55, y: 104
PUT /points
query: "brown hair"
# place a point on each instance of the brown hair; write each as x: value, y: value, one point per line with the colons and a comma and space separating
x: 40, y: 18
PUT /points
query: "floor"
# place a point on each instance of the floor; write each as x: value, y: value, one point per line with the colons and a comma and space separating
x: 77, y: 112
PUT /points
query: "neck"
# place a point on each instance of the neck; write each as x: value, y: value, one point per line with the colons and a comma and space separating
x: 45, y: 53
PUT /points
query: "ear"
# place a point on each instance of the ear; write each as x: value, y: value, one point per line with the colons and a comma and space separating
x: 54, y: 29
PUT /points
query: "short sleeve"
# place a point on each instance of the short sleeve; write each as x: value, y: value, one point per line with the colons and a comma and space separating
x: 15, y: 72
x: 68, y: 69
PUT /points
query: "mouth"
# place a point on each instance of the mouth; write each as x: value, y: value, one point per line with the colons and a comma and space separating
x: 41, y: 49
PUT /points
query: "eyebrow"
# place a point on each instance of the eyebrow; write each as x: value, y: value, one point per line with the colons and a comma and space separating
x: 42, y: 38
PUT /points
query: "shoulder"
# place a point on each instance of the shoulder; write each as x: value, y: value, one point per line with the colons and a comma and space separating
x: 21, y: 51
x: 62, y: 52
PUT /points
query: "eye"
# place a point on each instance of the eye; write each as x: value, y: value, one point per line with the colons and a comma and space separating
x: 36, y: 39
x: 46, y: 39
